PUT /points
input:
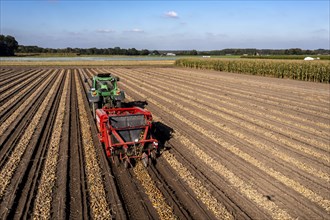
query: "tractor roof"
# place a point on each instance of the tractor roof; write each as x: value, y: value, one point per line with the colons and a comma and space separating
x: 104, y: 75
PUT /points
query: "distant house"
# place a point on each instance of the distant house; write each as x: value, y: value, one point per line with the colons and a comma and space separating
x: 170, y: 54
x: 308, y: 58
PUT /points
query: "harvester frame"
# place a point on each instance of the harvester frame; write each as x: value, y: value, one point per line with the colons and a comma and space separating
x: 126, y: 133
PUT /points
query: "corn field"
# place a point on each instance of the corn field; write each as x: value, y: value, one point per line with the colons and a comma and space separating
x: 288, y: 57
x: 314, y: 71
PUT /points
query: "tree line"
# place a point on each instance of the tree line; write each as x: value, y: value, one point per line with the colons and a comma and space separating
x: 87, y: 51
x: 135, y: 52
x: 253, y: 51
x: 9, y: 45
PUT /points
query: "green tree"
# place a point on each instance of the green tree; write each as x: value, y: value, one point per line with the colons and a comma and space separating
x: 132, y: 51
x: 194, y: 52
x: 144, y: 52
x: 156, y: 52
x: 8, y: 45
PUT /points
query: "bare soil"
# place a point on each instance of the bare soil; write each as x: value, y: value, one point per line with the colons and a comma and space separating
x: 258, y: 147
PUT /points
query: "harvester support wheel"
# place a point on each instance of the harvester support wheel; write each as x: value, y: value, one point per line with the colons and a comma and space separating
x: 94, y: 107
x: 127, y: 163
x: 144, y: 159
x: 153, y: 155
x: 115, y: 160
x: 118, y: 104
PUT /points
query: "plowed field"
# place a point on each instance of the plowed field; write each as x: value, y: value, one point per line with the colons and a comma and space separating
x: 234, y: 147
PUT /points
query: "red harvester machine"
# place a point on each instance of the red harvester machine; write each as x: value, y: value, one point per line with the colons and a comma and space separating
x: 126, y: 133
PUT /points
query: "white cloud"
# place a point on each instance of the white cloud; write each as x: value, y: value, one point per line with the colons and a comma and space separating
x: 171, y: 14
x: 137, y: 30
x: 105, y: 31
x: 216, y: 35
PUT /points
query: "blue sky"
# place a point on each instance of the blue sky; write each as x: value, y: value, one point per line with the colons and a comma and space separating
x: 173, y: 25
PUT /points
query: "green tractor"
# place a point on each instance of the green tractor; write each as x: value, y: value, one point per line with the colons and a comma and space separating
x: 105, y: 92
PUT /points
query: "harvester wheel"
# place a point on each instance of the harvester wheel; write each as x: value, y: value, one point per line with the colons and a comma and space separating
x: 144, y: 159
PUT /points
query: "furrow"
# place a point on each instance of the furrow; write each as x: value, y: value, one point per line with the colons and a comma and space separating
x: 250, y: 97
x: 195, y: 185
x: 265, y: 86
x: 271, y: 98
x: 9, y: 168
x: 246, y: 189
x: 12, y: 86
x: 13, y: 77
x: 314, y: 197
x: 273, y: 151
x: 309, y: 140
x: 224, y: 100
x: 45, y: 190
x: 20, y: 94
x: 97, y: 197
x: 155, y: 196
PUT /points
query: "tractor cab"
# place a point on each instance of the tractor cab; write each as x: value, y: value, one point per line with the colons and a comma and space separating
x: 105, y: 92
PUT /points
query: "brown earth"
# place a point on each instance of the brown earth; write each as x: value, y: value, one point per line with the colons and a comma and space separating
x: 234, y: 147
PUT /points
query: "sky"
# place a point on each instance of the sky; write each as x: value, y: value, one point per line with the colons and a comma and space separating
x: 168, y: 25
